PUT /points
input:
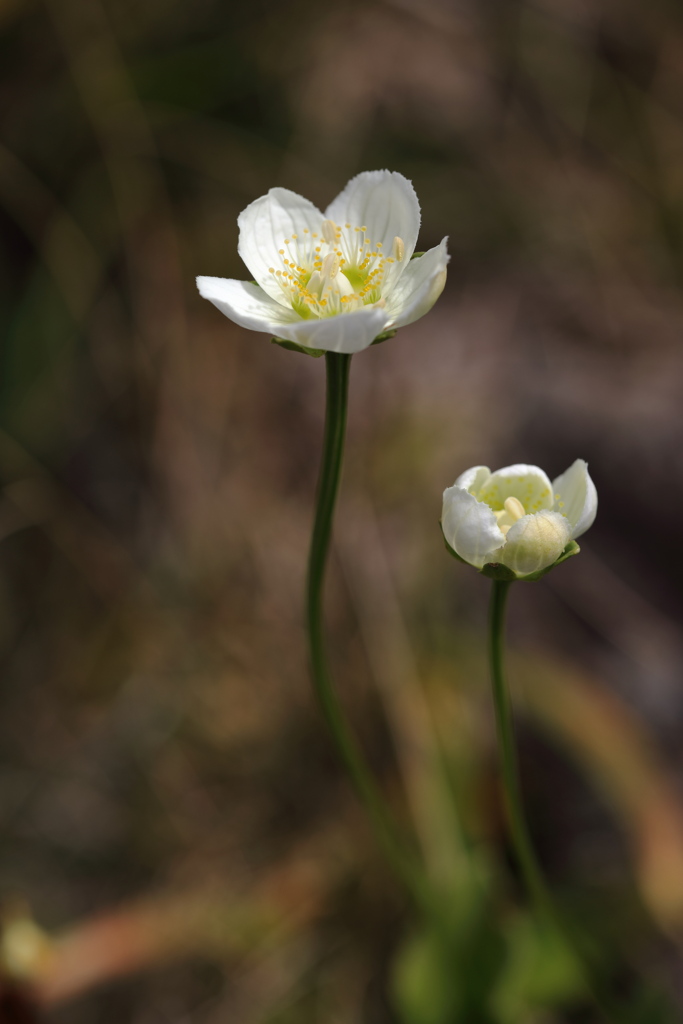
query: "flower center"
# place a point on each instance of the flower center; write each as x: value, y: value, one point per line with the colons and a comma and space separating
x: 335, y: 270
x: 511, y: 511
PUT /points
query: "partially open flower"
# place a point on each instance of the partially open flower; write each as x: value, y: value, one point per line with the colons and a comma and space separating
x: 337, y: 280
x: 515, y: 524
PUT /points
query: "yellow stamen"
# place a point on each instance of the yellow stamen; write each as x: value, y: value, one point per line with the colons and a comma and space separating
x: 329, y: 231
x: 514, y: 508
x: 330, y: 266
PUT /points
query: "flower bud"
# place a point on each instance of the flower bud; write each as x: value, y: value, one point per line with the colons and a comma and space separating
x: 515, y: 524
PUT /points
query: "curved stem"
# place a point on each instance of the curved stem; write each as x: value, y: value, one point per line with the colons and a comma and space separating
x: 519, y: 830
x: 403, y: 862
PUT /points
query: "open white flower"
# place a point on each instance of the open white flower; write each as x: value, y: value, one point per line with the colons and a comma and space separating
x: 335, y: 280
x: 515, y: 517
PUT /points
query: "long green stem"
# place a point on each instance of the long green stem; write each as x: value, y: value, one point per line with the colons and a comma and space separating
x: 519, y: 831
x: 404, y: 863
x: 508, y: 757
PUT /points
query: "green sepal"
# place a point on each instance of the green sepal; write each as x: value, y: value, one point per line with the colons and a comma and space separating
x: 416, y: 255
x: 384, y: 336
x: 500, y: 572
x: 292, y: 346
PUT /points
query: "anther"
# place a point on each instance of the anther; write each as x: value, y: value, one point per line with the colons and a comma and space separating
x: 398, y: 249
x: 514, y: 508
x: 315, y: 283
x: 329, y: 231
x: 330, y: 266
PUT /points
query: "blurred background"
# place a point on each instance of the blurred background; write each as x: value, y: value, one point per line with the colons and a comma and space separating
x: 177, y: 840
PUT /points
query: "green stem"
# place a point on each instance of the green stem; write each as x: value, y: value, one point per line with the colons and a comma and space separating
x: 403, y: 862
x: 519, y: 831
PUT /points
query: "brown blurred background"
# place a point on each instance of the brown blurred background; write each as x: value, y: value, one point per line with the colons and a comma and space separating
x: 172, y: 816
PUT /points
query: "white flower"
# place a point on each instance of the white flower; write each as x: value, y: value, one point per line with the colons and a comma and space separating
x: 515, y: 517
x: 332, y: 280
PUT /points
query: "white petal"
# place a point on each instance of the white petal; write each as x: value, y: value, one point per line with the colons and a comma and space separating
x: 418, y: 287
x: 347, y: 332
x: 535, y: 542
x: 527, y: 483
x: 469, y: 526
x: 385, y: 203
x: 578, y: 496
x: 264, y: 226
x: 473, y: 479
x: 246, y: 304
